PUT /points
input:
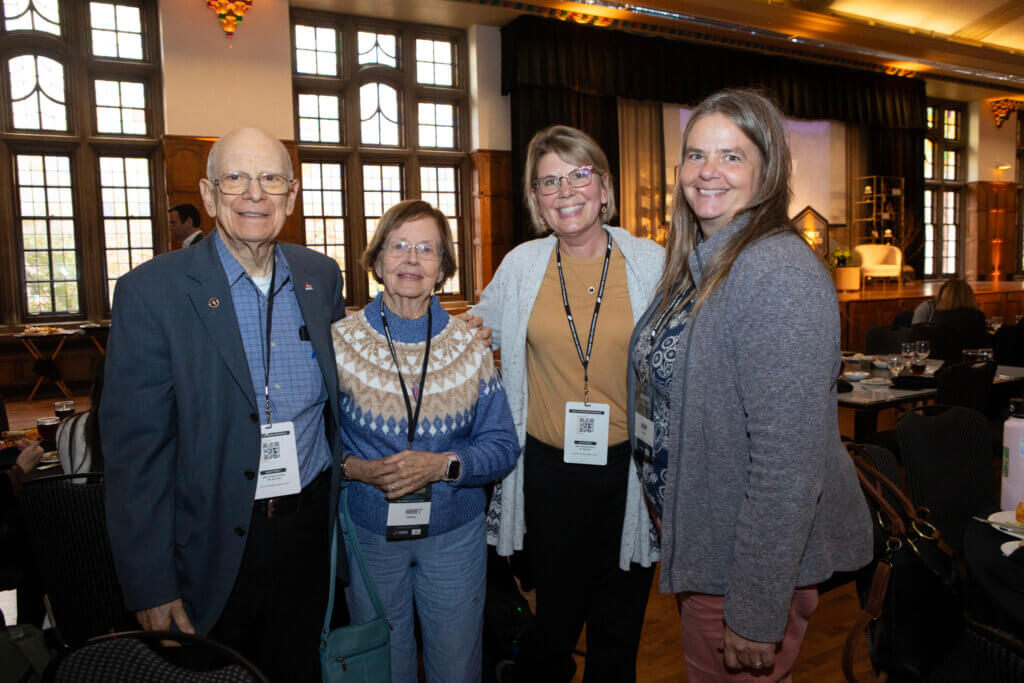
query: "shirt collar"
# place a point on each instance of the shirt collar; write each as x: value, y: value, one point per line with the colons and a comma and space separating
x: 234, y: 270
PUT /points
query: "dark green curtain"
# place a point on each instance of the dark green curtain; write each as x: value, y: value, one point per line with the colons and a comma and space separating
x: 561, y: 72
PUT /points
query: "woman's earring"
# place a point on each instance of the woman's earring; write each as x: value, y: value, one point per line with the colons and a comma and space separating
x: 604, y: 209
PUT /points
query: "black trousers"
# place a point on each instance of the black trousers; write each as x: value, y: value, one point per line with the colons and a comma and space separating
x: 574, y: 517
x: 276, y: 608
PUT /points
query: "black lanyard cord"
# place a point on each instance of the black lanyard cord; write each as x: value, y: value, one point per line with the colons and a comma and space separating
x: 414, y: 417
x: 584, y: 359
x: 266, y: 355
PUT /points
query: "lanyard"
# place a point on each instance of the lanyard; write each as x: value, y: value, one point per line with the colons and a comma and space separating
x: 266, y: 356
x: 414, y: 417
x: 655, y: 331
x: 584, y: 359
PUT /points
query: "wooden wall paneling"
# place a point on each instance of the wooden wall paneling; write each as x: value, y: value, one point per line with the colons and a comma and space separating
x: 844, y: 325
x: 1013, y: 308
x: 992, y: 215
x: 494, y: 191
x: 991, y: 304
x: 185, y: 164
x: 863, y: 315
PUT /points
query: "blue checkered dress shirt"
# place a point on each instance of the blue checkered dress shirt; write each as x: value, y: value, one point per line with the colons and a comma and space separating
x: 297, y: 389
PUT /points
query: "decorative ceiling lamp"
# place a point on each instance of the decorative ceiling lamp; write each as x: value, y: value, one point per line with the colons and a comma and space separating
x: 229, y: 13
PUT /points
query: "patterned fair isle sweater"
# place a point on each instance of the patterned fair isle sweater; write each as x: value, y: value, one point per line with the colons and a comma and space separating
x: 464, y: 409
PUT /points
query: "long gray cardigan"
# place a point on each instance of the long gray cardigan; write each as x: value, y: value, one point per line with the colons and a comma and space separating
x: 762, y: 496
x: 505, y: 305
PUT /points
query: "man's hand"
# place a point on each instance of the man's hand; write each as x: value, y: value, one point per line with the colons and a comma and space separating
x: 475, y: 322
x: 159, y: 618
x: 740, y: 653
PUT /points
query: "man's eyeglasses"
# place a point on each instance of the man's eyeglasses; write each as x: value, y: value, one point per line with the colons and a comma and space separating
x: 238, y: 183
x: 577, y: 177
x: 425, y: 250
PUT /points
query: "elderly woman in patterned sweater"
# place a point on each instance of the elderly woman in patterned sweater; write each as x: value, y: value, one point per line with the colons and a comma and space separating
x: 403, y: 361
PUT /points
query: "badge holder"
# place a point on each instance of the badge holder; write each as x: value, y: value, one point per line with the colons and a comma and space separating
x: 409, y: 516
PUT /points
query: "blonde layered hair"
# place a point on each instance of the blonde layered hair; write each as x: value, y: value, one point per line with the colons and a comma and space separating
x: 761, y: 121
x: 574, y: 146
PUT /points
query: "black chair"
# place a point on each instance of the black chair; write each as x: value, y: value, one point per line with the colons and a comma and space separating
x: 969, y: 322
x: 135, y: 656
x: 947, y: 458
x: 880, y: 340
x: 965, y: 384
x: 947, y: 342
x: 903, y: 319
x: 66, y: 527
x: 1008, y: 345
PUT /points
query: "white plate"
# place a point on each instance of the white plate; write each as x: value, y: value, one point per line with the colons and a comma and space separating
x: 1009, y: 547
x: 1008, y: 517
x: 875, y: 382
x: 855, y: 375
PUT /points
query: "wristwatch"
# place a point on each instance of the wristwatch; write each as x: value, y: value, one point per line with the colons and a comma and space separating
x: 454, y: 468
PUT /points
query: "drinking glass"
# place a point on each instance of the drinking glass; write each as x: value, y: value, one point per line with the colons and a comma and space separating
x: 47, y: 427
x: 986, y: 354
x: 896, y: 364
x: 995, y: 322
x: 63, y: 409
x: 922, y: 349
x: 907, y: 350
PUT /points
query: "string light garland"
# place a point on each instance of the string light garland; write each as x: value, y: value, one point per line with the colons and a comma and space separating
x: 229, y: 13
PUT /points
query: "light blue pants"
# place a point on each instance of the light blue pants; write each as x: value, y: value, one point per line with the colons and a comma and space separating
x: 445, y: 577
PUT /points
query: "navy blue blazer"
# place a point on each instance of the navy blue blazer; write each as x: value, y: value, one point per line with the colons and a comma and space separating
x: 180, y: 429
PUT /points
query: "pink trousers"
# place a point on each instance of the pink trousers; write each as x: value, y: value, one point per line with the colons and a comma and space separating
x: 703, y: 626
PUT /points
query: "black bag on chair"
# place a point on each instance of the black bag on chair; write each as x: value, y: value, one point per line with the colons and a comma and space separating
x: 913, y: 611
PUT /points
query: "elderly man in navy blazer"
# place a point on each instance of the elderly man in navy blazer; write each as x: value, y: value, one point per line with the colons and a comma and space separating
x: 219, y: 422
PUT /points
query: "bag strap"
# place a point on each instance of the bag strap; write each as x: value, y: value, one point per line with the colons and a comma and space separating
x: 371, y: 587
x: 872, y: 610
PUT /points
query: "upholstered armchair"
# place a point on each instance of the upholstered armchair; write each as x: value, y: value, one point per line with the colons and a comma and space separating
x: 878, y: 260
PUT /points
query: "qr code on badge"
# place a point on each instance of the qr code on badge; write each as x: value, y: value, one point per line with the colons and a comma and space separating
x: 271, y: 450
x: 586, y: 425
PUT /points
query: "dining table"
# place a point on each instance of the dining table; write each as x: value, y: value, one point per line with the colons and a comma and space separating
x: 996, y: 577
x: 868, y: 399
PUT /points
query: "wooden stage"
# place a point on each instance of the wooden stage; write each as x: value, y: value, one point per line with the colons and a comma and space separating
x: 878, y: 304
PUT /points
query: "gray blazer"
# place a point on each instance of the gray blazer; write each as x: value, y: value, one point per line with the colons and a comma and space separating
x: 762, y: 496
x: 180, y: 428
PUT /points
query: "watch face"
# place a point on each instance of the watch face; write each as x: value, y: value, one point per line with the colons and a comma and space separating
x: 454, y: 469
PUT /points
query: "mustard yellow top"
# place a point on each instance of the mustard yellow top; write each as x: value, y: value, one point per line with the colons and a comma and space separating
x: 554, y: 373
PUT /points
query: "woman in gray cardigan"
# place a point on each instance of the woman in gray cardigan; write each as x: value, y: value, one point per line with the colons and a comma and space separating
x: 733, y: 413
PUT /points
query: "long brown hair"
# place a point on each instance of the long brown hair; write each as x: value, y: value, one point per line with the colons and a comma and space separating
x: 761, y: 121
x: 955, y: 293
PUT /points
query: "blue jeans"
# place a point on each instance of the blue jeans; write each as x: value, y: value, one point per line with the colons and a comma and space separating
x: 445, y: 577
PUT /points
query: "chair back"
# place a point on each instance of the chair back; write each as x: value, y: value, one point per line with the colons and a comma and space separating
x: 903, y: 319
x: 968, y: 322
x: 947, y: 342
x: 881, y: 340
x: 1008, y: 345
x: 965, y: 384
x: 66, y: 527
x: 947, y: 454
x: 135, y: 656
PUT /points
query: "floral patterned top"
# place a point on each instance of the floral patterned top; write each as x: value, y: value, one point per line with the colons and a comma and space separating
x: 660, y: 361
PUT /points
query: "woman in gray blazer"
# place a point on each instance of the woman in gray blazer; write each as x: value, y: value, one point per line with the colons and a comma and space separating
x: 733, y: 403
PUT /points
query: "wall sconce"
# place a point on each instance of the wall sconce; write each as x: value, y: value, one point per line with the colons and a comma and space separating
x: 229, y: 13
x: 999, y: 170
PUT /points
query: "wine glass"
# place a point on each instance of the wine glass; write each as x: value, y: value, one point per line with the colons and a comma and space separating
x: 907, y: 350
x: 922, y: 349
x: 896, y: 364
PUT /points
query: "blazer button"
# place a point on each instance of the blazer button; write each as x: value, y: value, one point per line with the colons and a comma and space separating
x: 249, y: 474
x: 253, y: 418
x: 239, y: 531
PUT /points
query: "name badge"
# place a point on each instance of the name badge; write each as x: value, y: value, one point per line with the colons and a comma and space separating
x: 409, y: 516
x: 586, y: 433
x: 279, y: 461
x: 643, y: 426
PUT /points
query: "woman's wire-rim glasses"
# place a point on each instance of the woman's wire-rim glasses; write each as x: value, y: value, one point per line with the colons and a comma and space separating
x: 577, y: 178
x: 400, y: 248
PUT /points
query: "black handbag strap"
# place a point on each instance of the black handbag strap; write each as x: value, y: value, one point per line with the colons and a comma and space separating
x: 899, y: 524
x: 371, y: 587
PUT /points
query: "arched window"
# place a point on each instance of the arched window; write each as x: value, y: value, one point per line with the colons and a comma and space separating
x: 79, y: 136
x: 379, y: 112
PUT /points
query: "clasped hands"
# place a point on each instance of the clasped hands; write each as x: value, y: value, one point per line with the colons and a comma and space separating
x: 398, y: 474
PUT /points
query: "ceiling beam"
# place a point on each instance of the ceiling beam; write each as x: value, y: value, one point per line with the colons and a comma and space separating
x: 981, y: 27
